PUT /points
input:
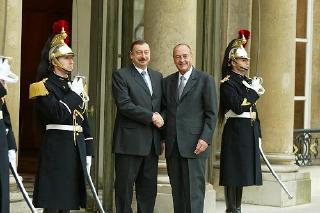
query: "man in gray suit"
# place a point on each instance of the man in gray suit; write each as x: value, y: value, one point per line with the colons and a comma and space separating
x: 136, y: 138
x: 190, y: 114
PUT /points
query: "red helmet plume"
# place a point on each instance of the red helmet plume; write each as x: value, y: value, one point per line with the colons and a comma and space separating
x: 246, y: 34
x: 57, y: 28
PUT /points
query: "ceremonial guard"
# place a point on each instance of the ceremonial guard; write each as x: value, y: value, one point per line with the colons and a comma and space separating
x: 240, y: 161
x: 7, y: 140
x: 68, y: 146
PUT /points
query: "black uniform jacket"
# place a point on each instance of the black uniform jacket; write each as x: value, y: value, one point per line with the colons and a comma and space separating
x: 60, y: 180
x: 191, y: 118
x: 7, y: 142
x: 240, y: 161
x: 134, y: 132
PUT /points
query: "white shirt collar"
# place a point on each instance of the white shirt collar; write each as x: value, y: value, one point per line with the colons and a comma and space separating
x: 141, y: 70
x: 187, y: 74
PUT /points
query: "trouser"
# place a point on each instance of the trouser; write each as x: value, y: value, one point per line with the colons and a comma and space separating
x: 187, y: 179
x: 55, y: 211
x: 138, y: 171
x: 233, y: 196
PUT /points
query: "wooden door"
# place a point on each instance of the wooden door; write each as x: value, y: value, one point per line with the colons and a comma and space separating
x: 37, y: 20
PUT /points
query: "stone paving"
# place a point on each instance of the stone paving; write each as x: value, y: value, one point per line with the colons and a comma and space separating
x: 313, y: 207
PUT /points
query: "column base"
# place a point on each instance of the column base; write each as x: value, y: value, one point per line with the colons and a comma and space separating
x: 164, y: 201
x: 271, y: 193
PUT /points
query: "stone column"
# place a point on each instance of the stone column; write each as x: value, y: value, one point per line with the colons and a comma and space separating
x: 10, y: 45
x: 81, y: 17
x: 315, y: 121
x: 167, y: 23
x: 276, y: 65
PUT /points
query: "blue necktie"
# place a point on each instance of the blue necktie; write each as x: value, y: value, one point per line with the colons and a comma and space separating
x: 181, y: 86
x: 144, y: 73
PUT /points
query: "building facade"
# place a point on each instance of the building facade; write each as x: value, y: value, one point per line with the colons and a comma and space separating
x: 284, y: 51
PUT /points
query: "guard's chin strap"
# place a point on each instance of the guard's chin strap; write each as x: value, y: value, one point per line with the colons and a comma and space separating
x: 57, y: 63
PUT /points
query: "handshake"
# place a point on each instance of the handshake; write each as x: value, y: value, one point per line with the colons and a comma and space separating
x: 256, y: 85
x: 157, y: 120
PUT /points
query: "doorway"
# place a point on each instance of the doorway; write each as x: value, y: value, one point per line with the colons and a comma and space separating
x: 37, y: 20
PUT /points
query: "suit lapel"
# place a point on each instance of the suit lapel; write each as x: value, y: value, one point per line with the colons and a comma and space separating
x: 190, y: 83
x: 174, y: 87
x: 139, y: 79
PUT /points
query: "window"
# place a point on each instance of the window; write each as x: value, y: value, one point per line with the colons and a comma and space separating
x: 303, y: 69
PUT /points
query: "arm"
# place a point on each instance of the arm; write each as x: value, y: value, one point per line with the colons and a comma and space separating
x: 58, y: 110
x: 124, y: 103
x: 163, y: 109
x: 210, y: 110
x: 87, y: 136
x: 7, y: 121
x: 238, y: 103
x: 3, y: 90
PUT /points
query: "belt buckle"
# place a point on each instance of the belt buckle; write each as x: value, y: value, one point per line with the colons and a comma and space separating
x: 253, y: 115
x: 77, y: 128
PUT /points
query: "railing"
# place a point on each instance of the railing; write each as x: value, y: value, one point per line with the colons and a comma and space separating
x: 305, y: 146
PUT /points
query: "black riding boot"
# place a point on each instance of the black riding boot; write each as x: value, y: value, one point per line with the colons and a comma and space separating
x: 239, y: 190
x: 230, y: 198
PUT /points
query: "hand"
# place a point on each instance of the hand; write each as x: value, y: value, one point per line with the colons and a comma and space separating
x: 6, y: 74
x: 256, y: 86
x: 88, y: 163
x: 201, y: 147
x: 12, y: 158
x: 77, y: 86
x: 157, y: 120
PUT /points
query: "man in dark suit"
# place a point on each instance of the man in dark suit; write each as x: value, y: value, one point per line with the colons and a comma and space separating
x: 136, y: 138
x: 190, y: 115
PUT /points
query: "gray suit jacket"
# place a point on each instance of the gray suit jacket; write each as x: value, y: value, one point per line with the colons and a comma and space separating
x: 192, y: 117
x: 134, y: 132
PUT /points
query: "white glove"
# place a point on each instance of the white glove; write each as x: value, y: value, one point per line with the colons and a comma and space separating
x: 5, y: 72
x: 88, y: 165
x: 12, y: 158
x: 256, y: 86
x: 77, y: 86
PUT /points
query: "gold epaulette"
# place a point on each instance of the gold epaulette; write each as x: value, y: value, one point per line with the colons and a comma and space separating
x: 225, y: 79
x: 245, y: 102
x: 38, y: 89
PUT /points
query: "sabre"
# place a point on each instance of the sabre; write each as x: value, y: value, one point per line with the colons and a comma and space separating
x: 22, y: 189
x: 94, y: 192
x: 272, y: 171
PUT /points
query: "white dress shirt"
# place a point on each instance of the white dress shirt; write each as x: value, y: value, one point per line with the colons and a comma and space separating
x: 186, y: 75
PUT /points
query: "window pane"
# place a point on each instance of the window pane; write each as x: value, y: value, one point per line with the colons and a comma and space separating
x: 300, y: 69
x: 298, y: 114
x: 301, y: 18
